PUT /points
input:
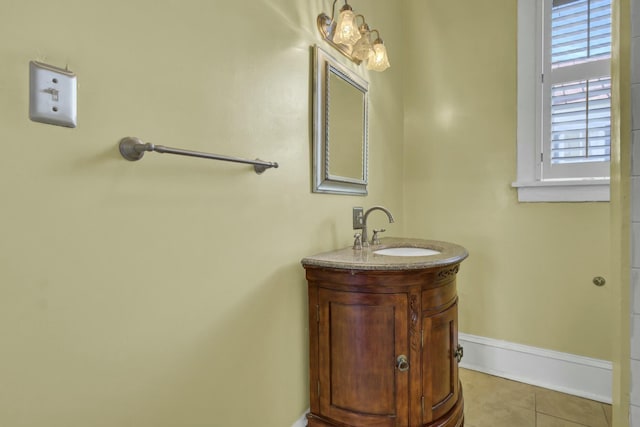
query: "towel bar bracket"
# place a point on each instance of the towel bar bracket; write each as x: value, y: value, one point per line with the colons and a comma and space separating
x: 132, y: 148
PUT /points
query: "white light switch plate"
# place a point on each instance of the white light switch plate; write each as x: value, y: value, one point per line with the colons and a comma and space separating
x: 52, y: 95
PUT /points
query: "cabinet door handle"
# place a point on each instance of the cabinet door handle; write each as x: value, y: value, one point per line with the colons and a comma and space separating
x: 403, y: 363
x: 459, y: 353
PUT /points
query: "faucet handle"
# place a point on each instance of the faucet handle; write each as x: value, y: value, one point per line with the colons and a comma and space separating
x: 357, y: 243
x: 374, y: 239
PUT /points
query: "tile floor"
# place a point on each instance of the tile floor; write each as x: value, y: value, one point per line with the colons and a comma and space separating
x: 496, y: 402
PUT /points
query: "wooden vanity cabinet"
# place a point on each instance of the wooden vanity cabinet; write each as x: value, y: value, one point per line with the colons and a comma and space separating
x: 359, y: 337
x: 439, y: 364
x: 383, y: 348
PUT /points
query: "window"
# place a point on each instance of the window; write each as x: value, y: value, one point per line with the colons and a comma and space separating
x: 564, y: 100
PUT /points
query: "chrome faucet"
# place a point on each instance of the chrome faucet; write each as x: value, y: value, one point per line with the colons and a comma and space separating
x: 365, y: 241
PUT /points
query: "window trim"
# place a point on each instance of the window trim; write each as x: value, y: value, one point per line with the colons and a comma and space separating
x: 529, y: 183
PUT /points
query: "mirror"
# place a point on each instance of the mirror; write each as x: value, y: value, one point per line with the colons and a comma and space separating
x: 340, y: 104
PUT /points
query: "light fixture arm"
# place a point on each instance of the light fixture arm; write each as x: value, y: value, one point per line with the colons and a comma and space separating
x: 333, y: 9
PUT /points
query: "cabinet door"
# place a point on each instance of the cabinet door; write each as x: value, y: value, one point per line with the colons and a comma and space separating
x: 360, y: 338
x: 440, y: 384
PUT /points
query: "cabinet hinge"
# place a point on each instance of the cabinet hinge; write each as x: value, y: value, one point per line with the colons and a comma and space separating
x: 422, y: 406
x: 541, y: 157
x: 318, y: 388
x: 318, y: 313
x: 541, y: 78
x: 422, y: 338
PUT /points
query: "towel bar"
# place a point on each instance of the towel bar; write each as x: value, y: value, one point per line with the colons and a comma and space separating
x: 132, y: 148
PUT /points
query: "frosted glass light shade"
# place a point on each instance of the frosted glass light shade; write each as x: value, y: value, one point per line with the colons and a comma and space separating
x: 362, y: 49
x: 378, y: 61
x: 346, y: 29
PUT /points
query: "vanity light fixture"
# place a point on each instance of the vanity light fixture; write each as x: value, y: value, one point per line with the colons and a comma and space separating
x: 346, y: 31
x: 378, y: 59
x: 363, y: 47
x: 353, y: 40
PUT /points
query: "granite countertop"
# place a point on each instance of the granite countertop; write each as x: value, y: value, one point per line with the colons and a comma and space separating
x: 366, y: 258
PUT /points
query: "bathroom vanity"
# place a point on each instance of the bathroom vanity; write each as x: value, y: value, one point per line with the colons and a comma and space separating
x: 383, y: 335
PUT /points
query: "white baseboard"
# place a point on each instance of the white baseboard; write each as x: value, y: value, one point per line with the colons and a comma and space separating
x: 302, y: 421
x: 568, y: 373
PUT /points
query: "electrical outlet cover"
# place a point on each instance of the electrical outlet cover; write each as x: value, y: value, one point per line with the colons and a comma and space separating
x: 52, y: 95
x: 358, y: 220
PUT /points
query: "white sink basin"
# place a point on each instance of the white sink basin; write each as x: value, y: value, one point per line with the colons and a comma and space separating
x: 406, y: 251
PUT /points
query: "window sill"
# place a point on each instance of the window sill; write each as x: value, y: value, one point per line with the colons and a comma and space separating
x: 582, y: 190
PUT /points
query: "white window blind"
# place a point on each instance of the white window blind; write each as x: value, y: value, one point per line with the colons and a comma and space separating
x: 581, y: 121
x: 577, y: 90
x: 580, y: 31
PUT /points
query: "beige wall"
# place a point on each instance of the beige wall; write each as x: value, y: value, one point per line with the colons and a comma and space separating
x: 528, y: 277
x: 169, y: 292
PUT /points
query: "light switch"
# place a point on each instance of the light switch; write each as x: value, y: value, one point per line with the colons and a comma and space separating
x: 52, y: 95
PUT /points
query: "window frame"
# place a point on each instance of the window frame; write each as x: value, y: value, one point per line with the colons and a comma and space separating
x: 530, y: 184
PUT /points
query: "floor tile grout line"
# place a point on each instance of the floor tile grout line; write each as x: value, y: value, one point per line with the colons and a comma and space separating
x: 563, y: 419
x: 605, y: 415
x: 535, y: 408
